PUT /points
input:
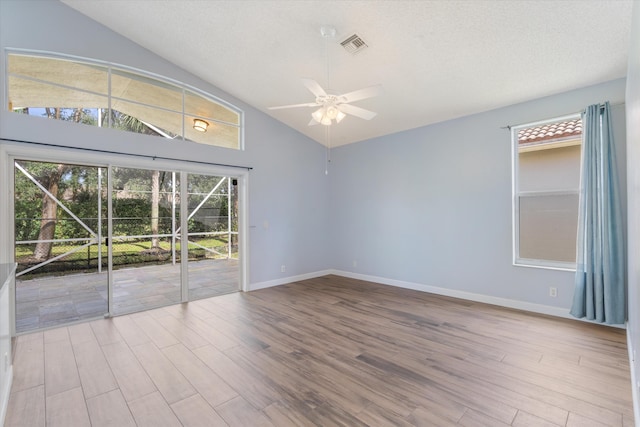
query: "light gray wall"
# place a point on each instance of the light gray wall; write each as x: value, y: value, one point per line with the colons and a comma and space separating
x: 633, y: 194
x: 285, y: 189
x: 432, y: 206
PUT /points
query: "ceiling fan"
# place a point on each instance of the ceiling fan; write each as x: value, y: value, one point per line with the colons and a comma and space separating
x: 335, y: 107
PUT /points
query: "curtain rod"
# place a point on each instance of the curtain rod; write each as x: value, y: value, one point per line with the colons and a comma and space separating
x: 508, y: 127
x: 147, y: 156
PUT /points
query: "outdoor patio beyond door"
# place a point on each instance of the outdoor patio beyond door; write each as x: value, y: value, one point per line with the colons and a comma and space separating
x: 60, y: 229
x: 145, y: 220
x: 92, y: 240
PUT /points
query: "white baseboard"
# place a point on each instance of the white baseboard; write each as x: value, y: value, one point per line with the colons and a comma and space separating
x: 290, y: 279
x: 487, y: 299
x: 634, y: 379
x: 504, y: 302
x: 5, y: 394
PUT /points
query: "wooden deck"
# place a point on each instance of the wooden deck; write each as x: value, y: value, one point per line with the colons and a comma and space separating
x: 58, y: 300
x: 324, y: 352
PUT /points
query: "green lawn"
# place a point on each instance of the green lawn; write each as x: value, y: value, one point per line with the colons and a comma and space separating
x: 120, y: 249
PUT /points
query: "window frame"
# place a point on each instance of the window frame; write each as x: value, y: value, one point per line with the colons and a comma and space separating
x: 515, y: 197
x: 184, y: 88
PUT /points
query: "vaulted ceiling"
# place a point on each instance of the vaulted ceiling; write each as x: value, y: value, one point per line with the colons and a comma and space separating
x: 436, y: 60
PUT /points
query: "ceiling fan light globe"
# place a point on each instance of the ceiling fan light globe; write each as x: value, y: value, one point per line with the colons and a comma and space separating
x: 326, y: 121
x: 332, y: 112
x: 340, y: 116
x: 317, y: 115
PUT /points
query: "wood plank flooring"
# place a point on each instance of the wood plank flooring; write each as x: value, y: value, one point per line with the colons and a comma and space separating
x: 324, y: 352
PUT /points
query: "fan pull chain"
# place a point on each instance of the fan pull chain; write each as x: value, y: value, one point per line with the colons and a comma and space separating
x: 328, y: 152
x: 327, y: 33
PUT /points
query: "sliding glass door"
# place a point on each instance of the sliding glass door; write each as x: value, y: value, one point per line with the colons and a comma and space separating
x: 145, y: 255
x: 60, y: 224
x: 108, y: 240
x: 213, y: 235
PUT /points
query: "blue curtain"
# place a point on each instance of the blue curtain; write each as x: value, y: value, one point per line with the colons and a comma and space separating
x: 600, y: 271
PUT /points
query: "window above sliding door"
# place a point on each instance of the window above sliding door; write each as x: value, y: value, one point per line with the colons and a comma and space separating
x: 106, y: 95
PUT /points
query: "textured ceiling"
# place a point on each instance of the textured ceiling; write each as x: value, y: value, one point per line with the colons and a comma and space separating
x: 436, y: 60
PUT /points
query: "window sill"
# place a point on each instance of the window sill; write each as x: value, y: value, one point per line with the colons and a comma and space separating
x: 545, y: 266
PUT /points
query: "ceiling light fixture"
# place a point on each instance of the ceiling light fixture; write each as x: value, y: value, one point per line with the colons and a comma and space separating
x: 333, y: 106
x: 332, y: 112
x: 318, y: 114
x: 325, y: 115
x: 200, y: 125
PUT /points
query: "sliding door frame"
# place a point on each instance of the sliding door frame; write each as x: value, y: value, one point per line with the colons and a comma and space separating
x: 11, y: 152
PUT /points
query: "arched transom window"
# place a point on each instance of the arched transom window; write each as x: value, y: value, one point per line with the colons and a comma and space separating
x: 106, y: 95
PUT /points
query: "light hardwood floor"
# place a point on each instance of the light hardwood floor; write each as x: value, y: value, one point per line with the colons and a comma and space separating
x: 323, y: 352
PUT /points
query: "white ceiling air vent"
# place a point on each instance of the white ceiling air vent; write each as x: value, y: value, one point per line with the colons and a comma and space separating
x: 353, y: 44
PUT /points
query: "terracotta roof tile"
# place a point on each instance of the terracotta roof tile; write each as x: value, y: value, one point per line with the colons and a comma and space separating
x: 550, y: 132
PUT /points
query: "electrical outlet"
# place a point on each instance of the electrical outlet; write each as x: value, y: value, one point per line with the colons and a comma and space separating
x: 283, y: 268
x: 553, y: 292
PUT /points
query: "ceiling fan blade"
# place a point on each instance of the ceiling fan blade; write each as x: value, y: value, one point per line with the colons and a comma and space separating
x: 367, y: 92
x: 308, y: 104
x: 314, y: 87
x: 357, y: 111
